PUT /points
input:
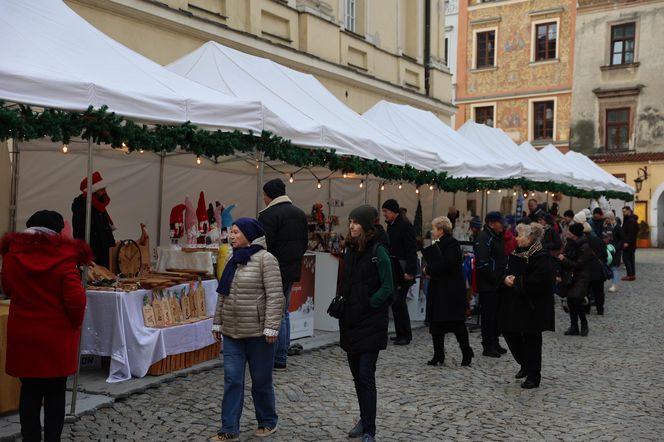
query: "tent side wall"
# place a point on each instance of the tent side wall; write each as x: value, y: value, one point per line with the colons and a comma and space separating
x: 5, y: 187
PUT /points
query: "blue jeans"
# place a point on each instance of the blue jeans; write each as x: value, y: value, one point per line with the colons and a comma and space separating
x: 259, y: 354
x: 283, y: 341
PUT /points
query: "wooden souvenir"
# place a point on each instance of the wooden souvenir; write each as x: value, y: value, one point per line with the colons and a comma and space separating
x: 148, y: 313
x: 175, y: 307
x: 184, y: 302
x: 193, y: 305
x: 166, y: 307
x: 158, y: 310
x: 200, y: 299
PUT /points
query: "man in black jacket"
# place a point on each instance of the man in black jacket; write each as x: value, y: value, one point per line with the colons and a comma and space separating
x: 286, y: 235
x: 630, y: 228
x: 403, y: 248
x: 490, y: 261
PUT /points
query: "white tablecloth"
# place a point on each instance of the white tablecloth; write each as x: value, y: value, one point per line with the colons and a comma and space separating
x: 168, y: 258
x: 113, y: 326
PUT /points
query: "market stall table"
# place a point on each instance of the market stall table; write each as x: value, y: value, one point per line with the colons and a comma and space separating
x: 113, y: 326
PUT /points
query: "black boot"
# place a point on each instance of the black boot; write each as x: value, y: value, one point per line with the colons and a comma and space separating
x: 584, y: 330
x: 438, y: 349
x: 572, y: 331
x: 467, y: 358
x: 521, y: 374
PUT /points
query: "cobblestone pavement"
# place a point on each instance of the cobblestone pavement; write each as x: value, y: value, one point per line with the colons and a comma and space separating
x: 608, y: 386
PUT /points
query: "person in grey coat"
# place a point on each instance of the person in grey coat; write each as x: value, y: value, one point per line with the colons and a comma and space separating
x: 247, y: 318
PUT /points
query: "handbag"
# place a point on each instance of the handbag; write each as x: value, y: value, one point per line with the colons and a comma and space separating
x: 337, y: 307
x: 607, y: 271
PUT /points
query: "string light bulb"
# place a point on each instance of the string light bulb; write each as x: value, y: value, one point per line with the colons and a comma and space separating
x: 488, y: 192
x: 500, y: 190
x: 532, y: 193
x: 400, y: 186
x: 417, y: 190
x: 65, y: 148
x: 198, y: 159
x: 361, y: 184
x: 382, y: 186
x: 477, y: 190
x: 141, y: 150
x: 525, y: 195
x: 319, y: 185
x: 123, y: 144
x: 345, y: 175
x: 514, y: 193
x: 430, y: 186
x: 291, y: 179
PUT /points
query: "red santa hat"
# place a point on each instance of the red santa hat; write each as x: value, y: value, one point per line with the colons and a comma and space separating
x: 96, y: 182
x: 201, y: 209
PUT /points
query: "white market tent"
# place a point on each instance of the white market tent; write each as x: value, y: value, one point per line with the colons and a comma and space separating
x: 553, y: 155
x: 424, y: 130
x: 297, y: 105
x: 565, y: 174
x: 610, y: 182
x: 497, y: 141
x: 51, y: 57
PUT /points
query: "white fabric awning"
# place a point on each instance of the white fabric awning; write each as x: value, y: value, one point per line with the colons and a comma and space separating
x: 297, y: 105
x: 51, y: 57
x: 609, y: 181
x: 563, y: 174
x: 423, y: 129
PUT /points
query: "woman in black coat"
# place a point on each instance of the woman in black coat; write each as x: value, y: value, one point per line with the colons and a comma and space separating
x: 576, y: 262
x: 446, y: 306
x: 526, y: 302
x: 366, y: 285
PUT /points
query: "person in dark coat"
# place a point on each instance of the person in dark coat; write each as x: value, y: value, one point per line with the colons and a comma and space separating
x: 403, y: 248
x: 597, y: 276
x: 576, y: 261
x: 40, y: 276
x: 631, y: 228
x: 366, y: 286
x: 597, y: 221
x: 101, y: 224
x: 617, y: 239
x: 551, y: 240
x: 526, y: 305
x: 286, y: 234
x: 490, y: 262
x: 447, y: 303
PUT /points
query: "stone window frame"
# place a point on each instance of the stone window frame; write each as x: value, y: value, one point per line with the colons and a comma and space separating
x: 608, y: 52
x: 475, y: 106
x: 531, y: 119
x: 617, y: 102
x: 533, y: 39
x: 619, y: 125
x: 493, y: 29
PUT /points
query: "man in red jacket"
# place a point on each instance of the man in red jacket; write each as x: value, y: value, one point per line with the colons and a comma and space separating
x: 40, y: 276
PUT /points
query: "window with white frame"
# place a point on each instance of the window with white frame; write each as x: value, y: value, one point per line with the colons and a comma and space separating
x: 543, y: 120
x: 485, y: 49
x: 546, y: 41
x: 351, y: 15
x: 623, y: 38
x: 484, y: 115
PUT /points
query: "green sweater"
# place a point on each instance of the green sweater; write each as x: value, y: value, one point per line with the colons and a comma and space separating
x: 386, y: 289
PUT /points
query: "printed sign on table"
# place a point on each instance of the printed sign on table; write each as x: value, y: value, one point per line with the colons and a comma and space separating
x: 302, y: 300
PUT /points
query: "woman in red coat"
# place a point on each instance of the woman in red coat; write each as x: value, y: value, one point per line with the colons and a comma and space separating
x: 40, y: 276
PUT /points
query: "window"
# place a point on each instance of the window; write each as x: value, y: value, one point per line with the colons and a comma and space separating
x: 543, y: 120
x: 485, y: 50
x: 351, y: 15
x: 622, y: 44
x: 546, y: 39
x: 484, y: 115
x: 617, y: 129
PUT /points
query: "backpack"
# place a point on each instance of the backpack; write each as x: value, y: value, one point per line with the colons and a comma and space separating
x: 395, y: 267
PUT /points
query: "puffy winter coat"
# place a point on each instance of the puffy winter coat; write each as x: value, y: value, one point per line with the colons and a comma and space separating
x: 256, y: 300
x: 578, y: 259
x: 286, y: 235
x: 40, y: 275
x: 447, y: 289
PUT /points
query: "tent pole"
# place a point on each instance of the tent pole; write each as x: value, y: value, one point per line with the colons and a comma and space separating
x: 366, y: 189
x: 162, y: 160
x: 434, y: 203
x: 88, y: 214
x: 261, y: 170
x: 13, y: 201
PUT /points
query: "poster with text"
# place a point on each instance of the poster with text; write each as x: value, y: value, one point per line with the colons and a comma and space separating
x: 302, y: 300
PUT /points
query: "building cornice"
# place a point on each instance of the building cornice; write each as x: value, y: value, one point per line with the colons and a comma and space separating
x: 160, y: 14
x: 511, y: 95
x: 610, y: 6
x: 627, y: 157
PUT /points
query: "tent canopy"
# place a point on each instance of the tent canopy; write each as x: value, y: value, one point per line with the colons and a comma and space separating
x: 297, y: 105
x: 425, y: 131
x: 51, y: 57
x: 610, y: 182
x: 564, y: 174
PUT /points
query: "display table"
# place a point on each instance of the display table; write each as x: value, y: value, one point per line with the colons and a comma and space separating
x: 327, y: 271
x: 113, y: 326
x: 169, y: 258
x: 10, y: 387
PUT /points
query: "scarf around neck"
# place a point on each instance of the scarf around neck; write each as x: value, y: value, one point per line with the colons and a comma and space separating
x: 534, y: 248
x: 240, y: 256
x: 100, y: 205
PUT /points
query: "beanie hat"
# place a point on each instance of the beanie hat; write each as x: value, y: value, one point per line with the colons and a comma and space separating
x: 476, y: 222
x: 392, y: 205
x: 587, y: 228
x: 363, y: 215
x: 251, y: 229
x: 576, y: 230
x: 493, y: 217
x: 96, y: 180
x: 580, y: 217
x: 274, y: 188
x: 46, y: 218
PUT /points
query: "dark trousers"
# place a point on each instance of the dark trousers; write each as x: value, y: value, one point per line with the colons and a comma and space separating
x: 628, y: 258
x: 438, y: 330
x: 489, y: 316
x: 34, y: 391
x: 597, y: 291
x: 400, y: 314
x: 526, y: 348
x: 363, y: 368
x: 577, y: 311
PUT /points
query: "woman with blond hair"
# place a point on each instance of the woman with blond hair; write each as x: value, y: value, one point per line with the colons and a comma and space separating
x: 526, y: 302
x: 446, y: 307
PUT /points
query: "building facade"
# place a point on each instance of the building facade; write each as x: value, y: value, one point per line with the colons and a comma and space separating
x: 618, y: 104
x: 363, y: 51
x: 452, y: 43
x: 514, y: 67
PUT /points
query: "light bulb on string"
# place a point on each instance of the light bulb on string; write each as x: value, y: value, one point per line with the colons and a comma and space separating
x: 532, y: 194
x: 514, y: 193
x: 361, y: 184
x: 141, y: 150
x: 345, y: 175
x: 500, y: 190
x: 417, y: 190
x: 400, y: 186
x: 382, y: 186
x: 291, y: 179
x: 525, y: 194
x: 430, y: 186
x: 124, y: 145
x: 477, y: 190
x: 198, y: 159
x: 65, y: 148
x: 319, y: 185
x: 488, y: 192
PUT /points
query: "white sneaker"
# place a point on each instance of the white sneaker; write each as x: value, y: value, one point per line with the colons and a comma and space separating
x: 613, y: 288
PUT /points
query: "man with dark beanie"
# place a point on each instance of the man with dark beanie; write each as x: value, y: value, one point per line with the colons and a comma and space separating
x: 490, y: 259
x: 286, y: 236
x: 403, y: 247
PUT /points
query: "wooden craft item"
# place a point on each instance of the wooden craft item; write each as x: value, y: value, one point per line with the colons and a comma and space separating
x: 184, y: 302
x: 148, y: 313
x: 200, y: 299
x: 193, y: 305
x: 97, y: 272
x: 158, y: 310
x: 166, y: 307
x: 175, y: 308
x: 129, y: 257
x: 187, y: 271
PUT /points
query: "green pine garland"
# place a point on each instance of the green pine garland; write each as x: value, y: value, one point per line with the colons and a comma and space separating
x: 102, y: 127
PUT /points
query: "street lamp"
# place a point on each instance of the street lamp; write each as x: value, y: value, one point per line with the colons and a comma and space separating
x: 641, y: 176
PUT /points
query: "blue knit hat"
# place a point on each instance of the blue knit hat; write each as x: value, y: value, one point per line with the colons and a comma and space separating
x: 251, y: 229
x: 493, y: 217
